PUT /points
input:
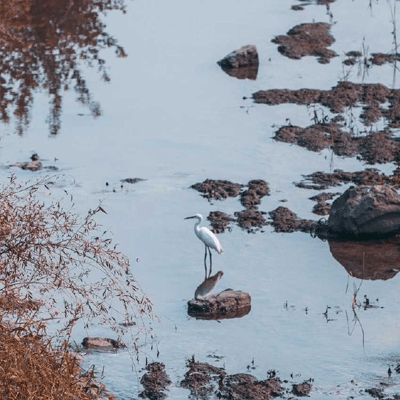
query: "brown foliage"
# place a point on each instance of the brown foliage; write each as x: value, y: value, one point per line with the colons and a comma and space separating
x: 43, y: 44
x: 31, y: 369
x: 53, y: 258
x: 55, y: 265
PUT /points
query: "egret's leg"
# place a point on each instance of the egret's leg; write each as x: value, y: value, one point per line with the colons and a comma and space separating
x: 205, y: 262
x: 209, y: 250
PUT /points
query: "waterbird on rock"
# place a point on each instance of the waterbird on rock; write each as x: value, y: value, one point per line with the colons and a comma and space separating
x: 208, y: 285
x: 209, y: 240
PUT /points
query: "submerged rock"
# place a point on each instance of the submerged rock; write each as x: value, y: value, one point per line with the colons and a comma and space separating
x: 101, y: 344
x: 242, y: 63
x: 227, y: 304
x: 365, y: 211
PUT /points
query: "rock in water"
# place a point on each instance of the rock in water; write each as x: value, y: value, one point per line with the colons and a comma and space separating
x: 208, y: 285
x: 227, y: 304
x: 101, y: 344
x: 242, y: 63
x: 365, y: 211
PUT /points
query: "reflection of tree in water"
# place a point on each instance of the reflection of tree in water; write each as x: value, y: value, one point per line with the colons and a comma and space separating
x: 43, y: 43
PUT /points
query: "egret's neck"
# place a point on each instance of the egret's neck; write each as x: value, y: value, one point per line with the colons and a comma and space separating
x: 196, y: 225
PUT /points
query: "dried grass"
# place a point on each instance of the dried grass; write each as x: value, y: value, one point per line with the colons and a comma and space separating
x: 47, y: 258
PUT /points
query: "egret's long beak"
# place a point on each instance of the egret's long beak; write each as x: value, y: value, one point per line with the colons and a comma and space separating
x: 190, y: 217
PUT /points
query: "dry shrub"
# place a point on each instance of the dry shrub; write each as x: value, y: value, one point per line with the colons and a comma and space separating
x: 55, y: 265
x: 31, y: 369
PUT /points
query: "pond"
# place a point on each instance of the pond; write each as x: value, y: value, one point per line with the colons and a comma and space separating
x: 170, y: 116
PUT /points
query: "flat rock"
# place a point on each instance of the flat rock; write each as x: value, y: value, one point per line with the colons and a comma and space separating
x: 101, y: 344
x: 365, y: 211
x: 227, y: 304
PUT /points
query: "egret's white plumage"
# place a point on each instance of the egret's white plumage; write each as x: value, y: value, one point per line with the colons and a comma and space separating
x: 208, y: 238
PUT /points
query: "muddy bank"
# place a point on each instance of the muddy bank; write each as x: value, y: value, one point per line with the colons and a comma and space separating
x: 375, y: 147
x: 155, y: 382
x: 344, y: 95
x: 307, y: 40
x: 375, y: 59
x: 284, y: 220
x: 250, y: 198
x: 205, y: 380
x: 322, y: 207
x: 370, y: 176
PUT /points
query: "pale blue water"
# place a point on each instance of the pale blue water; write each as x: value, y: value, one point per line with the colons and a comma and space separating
x: 171, y: 116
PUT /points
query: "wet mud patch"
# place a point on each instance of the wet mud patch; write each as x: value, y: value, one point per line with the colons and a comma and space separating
x: 250, y: 219
x: 250, y: 198
x: 217, y: 189
x: 374, y: 148
x: 155, y: 382
x: 202, y: 378
x: 343, y: 95
x: 322, y: 207
x: 206, y: 381
x: 284, y: 220
x: 302, y: 389
x: 370, y: 176
x: 220, y: 221
x: 245, y: 386
x: 312, y: 39
x: 257, y: 189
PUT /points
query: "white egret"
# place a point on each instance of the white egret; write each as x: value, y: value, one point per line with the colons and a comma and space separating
x: 209, y: 240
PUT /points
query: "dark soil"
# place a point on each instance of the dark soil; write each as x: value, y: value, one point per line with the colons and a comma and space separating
x: 219, y: 221
x: 322, y: 207
x: 155, y: 382
x: 217, y: 189
x: 370, y: 176
x: 376, y: 147
x: 340, y: 97
x: 201, y: 378
x: 285, y: 220
x: 302, y: 389
x: 381, y: 58
x: 307, y: 40
x: 205, y: 380
x: 256, y: 191
x: 249, y: 219
x: 250, y: 198
x: 245, y: 386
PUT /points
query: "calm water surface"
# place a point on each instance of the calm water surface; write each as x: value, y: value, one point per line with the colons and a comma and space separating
x: 171, y: 116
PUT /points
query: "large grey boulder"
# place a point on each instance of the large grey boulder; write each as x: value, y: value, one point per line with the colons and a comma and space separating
x: 365, y: 211
x: 241, y: 63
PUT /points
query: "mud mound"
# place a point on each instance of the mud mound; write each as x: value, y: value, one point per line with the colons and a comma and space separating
x: 249, y: 219
x: 217, y: 189
x: 376, y: 147
x: 219, y: 221
x: 302, y: 389
x: 370, y: 176
x: 155, y: 382
x: 256, y: 191
x: 322, y: 207
x: 340, y: 97
x: 201, y: 378
x: 382, y: 58
x: 307, y: 40
x: 245, y: 386
x: 285, y: 220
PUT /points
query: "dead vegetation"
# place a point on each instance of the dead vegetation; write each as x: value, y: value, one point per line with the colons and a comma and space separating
x: 55, y: 265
